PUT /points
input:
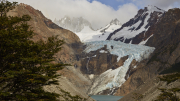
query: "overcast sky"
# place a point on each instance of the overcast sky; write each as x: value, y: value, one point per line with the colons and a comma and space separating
x: 98, y: 12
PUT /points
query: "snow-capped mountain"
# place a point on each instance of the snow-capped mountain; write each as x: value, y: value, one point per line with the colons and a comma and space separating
x: 134, y: 31
x: 88, y: 35
x: 75, y: 24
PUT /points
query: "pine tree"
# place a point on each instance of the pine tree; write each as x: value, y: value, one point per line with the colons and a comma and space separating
x: 25, y: 66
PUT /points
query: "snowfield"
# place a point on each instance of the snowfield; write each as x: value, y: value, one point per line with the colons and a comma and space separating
x: 88, y: 35
x: 112, y: 79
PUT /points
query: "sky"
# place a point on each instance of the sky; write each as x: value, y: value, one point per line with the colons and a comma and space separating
x: 98, y: 12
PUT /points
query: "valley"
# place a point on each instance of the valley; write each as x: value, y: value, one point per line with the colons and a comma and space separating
x: 118, y: 59
x: 120, y: 69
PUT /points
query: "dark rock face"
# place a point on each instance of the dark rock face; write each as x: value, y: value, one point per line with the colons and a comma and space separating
x: 166, y: 40
x: 141, y: 16
x: 97, y: 62
x: 52, y: 25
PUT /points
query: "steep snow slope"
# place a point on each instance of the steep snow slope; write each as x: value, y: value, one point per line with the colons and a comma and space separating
x: 87, y: 35
x: 112, y: 79
x: 134, y: 31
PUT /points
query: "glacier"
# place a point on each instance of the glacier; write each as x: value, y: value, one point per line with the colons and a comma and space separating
x: 112, y: 79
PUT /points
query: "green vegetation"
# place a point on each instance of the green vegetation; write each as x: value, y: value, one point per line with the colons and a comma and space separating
x: 26, y: 66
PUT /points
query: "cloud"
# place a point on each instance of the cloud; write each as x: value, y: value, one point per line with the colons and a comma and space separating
x: 164, y: 4
x: 97, y: 13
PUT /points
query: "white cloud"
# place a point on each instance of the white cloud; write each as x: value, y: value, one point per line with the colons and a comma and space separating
x: 97, y: 13
x: 164, y: 4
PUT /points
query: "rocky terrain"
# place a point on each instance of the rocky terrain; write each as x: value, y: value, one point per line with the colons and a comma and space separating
x: 135, y: 30
x: 149, y: 90
x: 45, y: 28
x: 109, y: 63
x: 72, y: 80
x: 112, y: 67
x: 166, y: 55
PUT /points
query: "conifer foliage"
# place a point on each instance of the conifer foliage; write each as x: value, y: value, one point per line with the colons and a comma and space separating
x: 25, y: 66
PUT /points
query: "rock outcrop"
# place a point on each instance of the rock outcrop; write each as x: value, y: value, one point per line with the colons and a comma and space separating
x: 148, y: 90
x: 45, y: 28
x: 134, y: 31
x: 166, y: 40
x: 97, y: 62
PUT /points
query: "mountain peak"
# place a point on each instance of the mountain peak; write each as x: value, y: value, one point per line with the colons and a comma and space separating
x: 73, y: 24
x: 115, y: 22
x: 151, y: 8
x: 134, y: 31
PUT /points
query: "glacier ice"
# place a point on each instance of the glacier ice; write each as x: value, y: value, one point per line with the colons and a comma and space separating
x: 111, y: 79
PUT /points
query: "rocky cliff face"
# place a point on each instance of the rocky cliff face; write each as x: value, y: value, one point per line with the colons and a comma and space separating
x: 149, y: 90
x: 134, y: 31
x: 98, y: 61
x: 45, y: 28
x: 167, y: 53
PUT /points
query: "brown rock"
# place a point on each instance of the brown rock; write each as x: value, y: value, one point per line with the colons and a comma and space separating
x: 45, y: 28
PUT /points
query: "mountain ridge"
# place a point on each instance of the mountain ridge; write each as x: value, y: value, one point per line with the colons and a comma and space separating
x: 75, y: 24
x: 95, y: 64
x: 100, y: 34
x: 134, y: 31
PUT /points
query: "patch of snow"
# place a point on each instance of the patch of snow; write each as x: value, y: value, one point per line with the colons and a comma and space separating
x: 135, y: 66
x: 103, y: 51
x: 153, y: 8
x: 144, y: 42
x: 126, y: 33
x: 88, y: 35
x: 94, y: 56
x: 91, y: 76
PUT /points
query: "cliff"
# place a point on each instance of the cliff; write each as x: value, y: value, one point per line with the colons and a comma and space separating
x: 166, y: 55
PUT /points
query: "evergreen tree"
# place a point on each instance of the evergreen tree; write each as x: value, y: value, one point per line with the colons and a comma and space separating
x: 25, y: 66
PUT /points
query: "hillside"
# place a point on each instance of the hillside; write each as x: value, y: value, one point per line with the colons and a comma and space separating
x: 45, y: 28
x: 166, y: 55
